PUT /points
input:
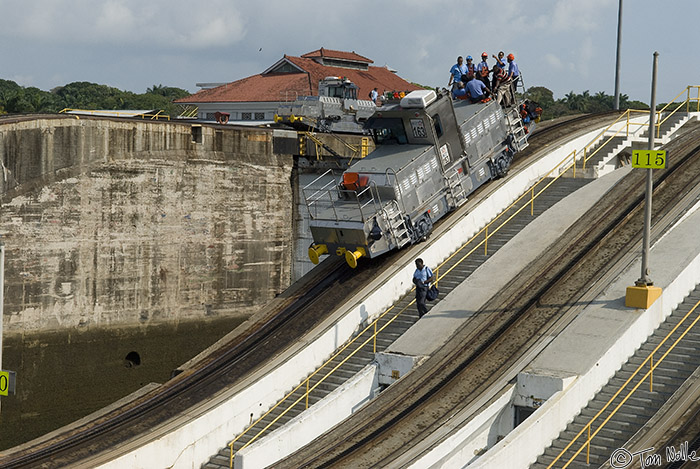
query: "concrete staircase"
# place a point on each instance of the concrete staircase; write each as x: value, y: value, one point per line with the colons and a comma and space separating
x: 669, y: 127
x: 643, y: 404
x: 603, y: 152
x: 558, y: 190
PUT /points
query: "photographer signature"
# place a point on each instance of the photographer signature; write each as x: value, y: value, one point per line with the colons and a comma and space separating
x: 621, y: 458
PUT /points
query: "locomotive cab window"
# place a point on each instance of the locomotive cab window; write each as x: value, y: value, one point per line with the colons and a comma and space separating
x: 388, y: 131
x: 438, y: 125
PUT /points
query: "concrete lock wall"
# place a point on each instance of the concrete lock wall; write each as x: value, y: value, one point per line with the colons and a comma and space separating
x: 115, y: 222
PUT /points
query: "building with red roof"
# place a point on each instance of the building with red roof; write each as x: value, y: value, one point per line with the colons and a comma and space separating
x: 257, y: 97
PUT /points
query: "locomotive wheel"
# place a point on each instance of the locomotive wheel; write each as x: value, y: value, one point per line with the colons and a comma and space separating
x: 502, y: 166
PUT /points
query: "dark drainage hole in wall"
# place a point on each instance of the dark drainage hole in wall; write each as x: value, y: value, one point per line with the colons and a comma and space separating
x: 132, y: 359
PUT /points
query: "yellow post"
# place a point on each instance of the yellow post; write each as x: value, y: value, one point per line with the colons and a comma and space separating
x: 375, y: 337
x: 307, y: 393
x: 588, y: 446
x: 532, y: 202
x: 651, y: 373
x: 231, y: 461
x: 574, y: 164
x: 486, y: 242
x: 436, y: 276
x: 584, y: 158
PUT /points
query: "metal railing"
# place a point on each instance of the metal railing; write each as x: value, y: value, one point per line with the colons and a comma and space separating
x: 188, y: 112
x: 649, y: 374
x: 687, y: 102
x: 628, y: 116
x: 353, y: 208
x: 528, y: 199
x: 109, y: 113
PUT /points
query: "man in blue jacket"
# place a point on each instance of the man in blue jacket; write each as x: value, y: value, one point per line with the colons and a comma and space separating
x: 422, y: 278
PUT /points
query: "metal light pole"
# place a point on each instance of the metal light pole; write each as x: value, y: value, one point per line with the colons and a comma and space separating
x: 617, y: 58
x: 644, y: 278
x: 643, y: 294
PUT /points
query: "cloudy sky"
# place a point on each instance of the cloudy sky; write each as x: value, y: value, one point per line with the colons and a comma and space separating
x: 564, y: 45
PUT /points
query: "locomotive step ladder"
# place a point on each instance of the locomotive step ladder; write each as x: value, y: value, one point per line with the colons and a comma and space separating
x: 455, y: 188
x: 397, y: 224
x: 515, y: 124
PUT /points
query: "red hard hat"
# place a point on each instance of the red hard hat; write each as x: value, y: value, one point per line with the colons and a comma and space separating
x: 511, y: 57
x: 484, y: 54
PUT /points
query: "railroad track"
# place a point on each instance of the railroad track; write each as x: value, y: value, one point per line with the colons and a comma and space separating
x: 282, y: 323
x: 400, y: 418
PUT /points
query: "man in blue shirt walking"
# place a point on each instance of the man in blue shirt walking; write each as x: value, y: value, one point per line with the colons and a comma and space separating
x: 422, y: 278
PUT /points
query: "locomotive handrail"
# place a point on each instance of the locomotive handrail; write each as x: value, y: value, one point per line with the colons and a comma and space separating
x: 373, y: 184
x: 361, y: 206
x: 317, y: 179
x: 398, y: 184
x: 320, y: 190
x: 335, y: 212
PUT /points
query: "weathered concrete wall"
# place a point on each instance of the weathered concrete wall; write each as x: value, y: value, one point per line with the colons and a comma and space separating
x: 113, y: 222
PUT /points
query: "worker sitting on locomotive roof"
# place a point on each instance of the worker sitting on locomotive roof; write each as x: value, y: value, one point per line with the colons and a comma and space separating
x: 482, y: 70
x: 460, y: 92
x: 477, y: 90
x: 456, y: 73
x: 422, y: 277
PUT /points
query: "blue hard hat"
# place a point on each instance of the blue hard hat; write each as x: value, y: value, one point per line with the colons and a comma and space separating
x: 469, y: 57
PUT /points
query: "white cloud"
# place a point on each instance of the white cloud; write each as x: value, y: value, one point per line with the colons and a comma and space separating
x: 161, y: 23
x: 553, y: 61
x: 574, y: 16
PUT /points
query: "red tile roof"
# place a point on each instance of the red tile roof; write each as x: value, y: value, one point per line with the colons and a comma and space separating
x: 337, y: 54
x: 285, y: 86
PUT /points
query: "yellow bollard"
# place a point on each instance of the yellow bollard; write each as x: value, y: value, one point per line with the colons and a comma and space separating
x: 351, y: 257
x: 316, y: 251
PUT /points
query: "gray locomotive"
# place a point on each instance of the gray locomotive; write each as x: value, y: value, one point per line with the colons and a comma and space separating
x: 335, y: 109
x: 431, y: 153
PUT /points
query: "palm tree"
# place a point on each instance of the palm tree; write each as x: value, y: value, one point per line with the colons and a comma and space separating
x: 156, y: 89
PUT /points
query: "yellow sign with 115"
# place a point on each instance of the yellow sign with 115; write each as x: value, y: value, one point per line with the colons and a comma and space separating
x: 654, y: 159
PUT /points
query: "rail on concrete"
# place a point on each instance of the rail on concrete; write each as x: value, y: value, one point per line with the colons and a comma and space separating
x: 477, y: 242
x: 621, y: 124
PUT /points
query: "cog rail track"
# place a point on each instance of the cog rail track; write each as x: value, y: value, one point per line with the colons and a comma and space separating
x: 404, y: 416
